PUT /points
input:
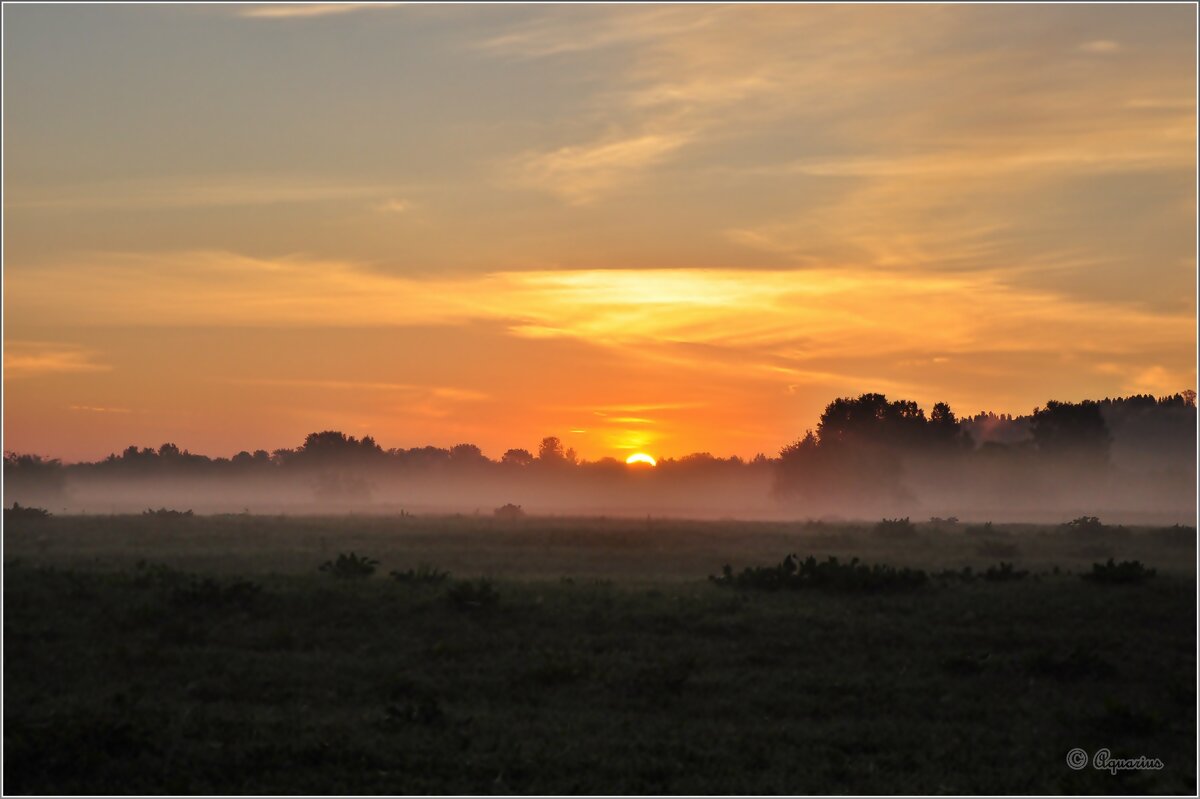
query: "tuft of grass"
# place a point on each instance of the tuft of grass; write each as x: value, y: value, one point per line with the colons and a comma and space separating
x: 829, y: 575
x: 19, y: 513
x: 424, y: 574
x: 895, y: 528
x: 1127, y: 572
x: 1004, y: 572
x: 473, y: 595
x: 167, y: 513
x: 349, y: 566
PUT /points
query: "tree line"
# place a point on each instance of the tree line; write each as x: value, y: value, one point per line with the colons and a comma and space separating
x: 859, y: 446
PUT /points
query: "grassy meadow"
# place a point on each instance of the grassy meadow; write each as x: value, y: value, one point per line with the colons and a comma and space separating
x: 211, y: 654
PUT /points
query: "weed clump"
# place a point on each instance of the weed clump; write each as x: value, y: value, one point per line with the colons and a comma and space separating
x: 350, y: 566
x: 424, y: 574
x: 1004, y: 573
x: 18, y: 513
x: 997, y: 549
x: 208, y: 594
x: 167, y: 513
x: 1127, y: 572
x: 828, y: 575
x: 473, y: 594
x: 895, y: 528
x: 509, y: 512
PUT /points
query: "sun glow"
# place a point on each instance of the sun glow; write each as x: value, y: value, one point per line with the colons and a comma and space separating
x: 641, y: 457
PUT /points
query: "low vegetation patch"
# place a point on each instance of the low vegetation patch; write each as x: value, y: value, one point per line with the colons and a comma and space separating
x: 829, y: 575
x: 349, y: 566
x: 1004, y: 572
x: 19, y: 513
x: 424, y: 574
x: 1127, y: 572
x: 473, y: 594
x: 895, y: 528
x: 167, y: 513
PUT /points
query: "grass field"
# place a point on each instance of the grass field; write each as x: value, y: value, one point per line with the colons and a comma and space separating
x: 594, y: 657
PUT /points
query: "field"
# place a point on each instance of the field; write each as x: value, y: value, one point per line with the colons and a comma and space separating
x: 155, y: 654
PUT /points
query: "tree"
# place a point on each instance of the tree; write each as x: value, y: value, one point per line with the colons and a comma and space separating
x: 517, y: 457
x: 1067, y: 429
x: 466, y: 454
x: 551, y: 450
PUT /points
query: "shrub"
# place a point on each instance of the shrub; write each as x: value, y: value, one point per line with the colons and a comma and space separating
x: 473, y: 594
x: 166, y: 513
x: 829, y: 575
x: 1085, y: 524
x: 1127, y: 572
x: 895, y: 528
x: 1077, y: 664
x: 350, y: 566
x: 997, y: 549
x: 509, y: 512
x: 207, y: 593
x: 981, y: 529
x: 1004, y: 573
x: 18, y: 513
x: 424, y: 574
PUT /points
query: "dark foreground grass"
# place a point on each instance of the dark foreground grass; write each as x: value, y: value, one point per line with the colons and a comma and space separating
x: 152, y: 681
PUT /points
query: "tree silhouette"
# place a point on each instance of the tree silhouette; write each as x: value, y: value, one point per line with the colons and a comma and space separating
x: 551, y: 450
x: 517, y: 457
x: 1072, y: 429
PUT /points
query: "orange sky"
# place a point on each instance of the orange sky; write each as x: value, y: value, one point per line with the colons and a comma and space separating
x: 665, y: 228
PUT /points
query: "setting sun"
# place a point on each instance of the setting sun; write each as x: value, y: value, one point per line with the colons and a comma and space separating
x: 641, y: 457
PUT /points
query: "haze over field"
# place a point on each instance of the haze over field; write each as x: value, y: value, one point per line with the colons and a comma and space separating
x: 669, y: 229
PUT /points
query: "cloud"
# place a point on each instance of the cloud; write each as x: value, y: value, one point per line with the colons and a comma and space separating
x: 785, y: 325
x: 98, y: 409
x: 581, y: 173
x: 394, y: 206
x: 307, y: 10
x: 1101, y: 47
x: 438, y: 392
x: 35, y: 359
x: 201, y: 191
x: 578, y: 30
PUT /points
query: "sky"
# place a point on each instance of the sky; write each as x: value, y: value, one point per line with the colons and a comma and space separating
x: 666, y: 228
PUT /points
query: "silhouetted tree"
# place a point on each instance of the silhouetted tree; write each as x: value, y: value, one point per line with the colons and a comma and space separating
x: 517, y: 457
x: 1072, y: 429
x: 551, y: 450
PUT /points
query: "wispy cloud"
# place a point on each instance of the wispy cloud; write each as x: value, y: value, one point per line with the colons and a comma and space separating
x: 438, y: 392
x: 581, y: 173
x: 35, y: 359
x: 307, y: 10
x: 199, y: 192
x: 1101, y: 47
x: 738, y: 321
x: 98, y: 409
x: 393, y: 206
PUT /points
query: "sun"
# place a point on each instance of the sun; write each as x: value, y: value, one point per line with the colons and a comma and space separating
x: 641, y: 457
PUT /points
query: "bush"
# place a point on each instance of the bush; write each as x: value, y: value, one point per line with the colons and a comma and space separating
x: 166, y: 513
x: 829, y: 575
x: 1127, y: 572
x: 509, y: 512
x: 424, y: 574
x: 1004, y: 573
x: 473, y: 594
x: 895, y: 528
x: 1085, y: 524
x: 17, y: 513
x: 981, y: 529
x: 206, y: 593
x: 350, y: 566
x: 997, y: 549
